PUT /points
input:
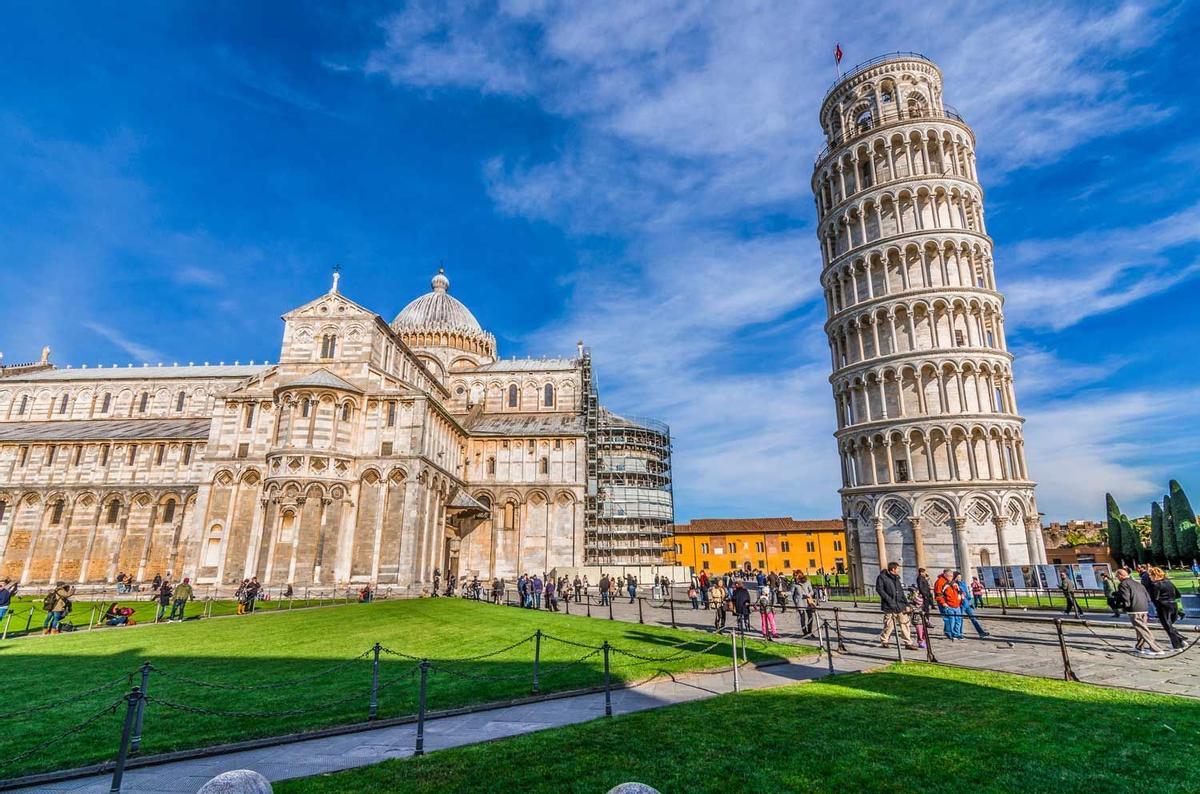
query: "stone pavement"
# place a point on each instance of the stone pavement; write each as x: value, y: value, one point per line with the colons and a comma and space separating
x: 1099, y: 655
x: 330, y: 754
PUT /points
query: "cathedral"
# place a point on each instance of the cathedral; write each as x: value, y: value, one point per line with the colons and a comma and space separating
x: 372, y: 452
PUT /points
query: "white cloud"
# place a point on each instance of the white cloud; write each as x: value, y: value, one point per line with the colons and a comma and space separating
x: 691, y: 125
x: 141, y: 352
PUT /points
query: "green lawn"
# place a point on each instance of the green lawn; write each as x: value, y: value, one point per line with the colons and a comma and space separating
x: 911, y: 727
x: 277, y: 649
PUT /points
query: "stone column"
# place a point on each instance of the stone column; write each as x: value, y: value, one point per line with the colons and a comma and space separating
x: 1001, y: 522
x: 1033, y: 539
x: 881, y: 545
x: 960, y: 545
x: 918, y: 542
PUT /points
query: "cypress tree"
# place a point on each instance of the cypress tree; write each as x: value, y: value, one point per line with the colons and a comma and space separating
x: 1114, y: 527
x: 1185, y: 524
x: 1156, y: 533
x: 1130, y: 542
x: 1170, y: 540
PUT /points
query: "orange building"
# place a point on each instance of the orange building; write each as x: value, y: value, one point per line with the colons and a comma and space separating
x: 769, y: 544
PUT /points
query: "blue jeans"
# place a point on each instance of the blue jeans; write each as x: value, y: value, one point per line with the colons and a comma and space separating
x: 970, y: 613
x: 952, y: 622
x: 632, y: 594
x: 177, y: 607
x: 3, y: 611
x: 604, y: 598
x: 52, y: 620
x: 537, y: 600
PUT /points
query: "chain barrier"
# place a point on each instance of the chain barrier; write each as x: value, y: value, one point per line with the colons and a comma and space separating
x: 124, y: 680
x: 1125, y: 649
x: 546, y: 636
x: 555, y: 668
x: 236, y: 714
x: 252, y: 687
x: 58, y: 737
x: 670, y: 658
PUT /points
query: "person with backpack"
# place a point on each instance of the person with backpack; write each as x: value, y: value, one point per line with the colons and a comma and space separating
x: 57, y: 605
x: 183, y: 594
x: 164, y: 599
x: 1165, y: 595
x: 766, y: 615
x: 716, y: 597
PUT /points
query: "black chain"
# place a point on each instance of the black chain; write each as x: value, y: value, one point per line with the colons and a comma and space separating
x: 561, y: 667
x: 289, y: 713
x: 271, y: 685
x: 126, y: 680
x: 671, y: 658
x: 461, y: 660
x: 58, y: 737
x: 546, y: 636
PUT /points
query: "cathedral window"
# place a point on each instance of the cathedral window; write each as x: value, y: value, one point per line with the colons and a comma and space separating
x: 558, y: 443
x: 491, y: 465
x: 132, y: 454
x: 545, y: 465
x: 3, y: 505
x: 346, y: 412
x: 22, y: 455
x: 51, y: 449
x: 114, y: 511
x: 510, y: 515
x: 385, y: 448
x: 168, y: 511
x: 243, y: 450
x: 512, y: 396
x: 62, y: 405
x: 187, y: 454
x: 104, y: 455
x: 248, y: 415
x: 179, y: 398
x: 901, y: 472
x: 391, y: 414
x: 212, y: 550
x: 305, y: 405
x: 24, y: 404
x: 160, y: 450
x: 106, y: 403
x: 56, y: 513
x: 548, y: 397
x: 328, y: 346
x: 143, y: 402
x: 77, y: 456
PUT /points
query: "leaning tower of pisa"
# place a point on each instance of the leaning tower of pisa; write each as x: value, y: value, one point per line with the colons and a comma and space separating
x: 931, y: 446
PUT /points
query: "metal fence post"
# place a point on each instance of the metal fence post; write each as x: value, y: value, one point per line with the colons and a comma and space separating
x: 420, y: 748
x: 671, y: 601
x: 640, y: 611
x: 837, y: 627
x: 588, y: 600
x: 737, y: 684
x: 7, y: 620
x: 567, y: 601
x: 134, y: 699
x: 828, y: 645
x: 607, y: 681
x: 1068, y: 673
x: 91, y: 621
x: 537, y: 658
x: 929, y: 657
x: 29, y: 620
x: 899, y: 650
x: 610, y: 602
x: 135, y: 742
x: 374, y: 708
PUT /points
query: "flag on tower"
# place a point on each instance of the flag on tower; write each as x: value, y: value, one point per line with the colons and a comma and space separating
x: 837, y: 53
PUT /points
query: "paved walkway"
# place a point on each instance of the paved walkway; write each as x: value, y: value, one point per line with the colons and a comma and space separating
x: 317, y: 756
x: 1099, y: 653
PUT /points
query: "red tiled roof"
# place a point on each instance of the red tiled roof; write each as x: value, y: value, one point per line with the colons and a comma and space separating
x: 720, y: 526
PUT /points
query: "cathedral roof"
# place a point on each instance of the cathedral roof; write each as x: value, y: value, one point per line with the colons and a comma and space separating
x: 321, y: 379
x: 144, y: 372
x: 437, y: 311
x: 104, y: 429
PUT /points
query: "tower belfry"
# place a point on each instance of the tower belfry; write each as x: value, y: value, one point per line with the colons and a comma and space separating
x: 931, y: 444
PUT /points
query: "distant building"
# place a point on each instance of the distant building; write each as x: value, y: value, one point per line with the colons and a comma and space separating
x: 1062, y: 551
x: 769, y: 544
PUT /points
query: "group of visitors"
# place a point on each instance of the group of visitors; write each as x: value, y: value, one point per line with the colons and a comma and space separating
x: 954, y: 598
x: 172, y: 600
x: 57, y: 605
x: 1136, y: 597
x: 247, y: 595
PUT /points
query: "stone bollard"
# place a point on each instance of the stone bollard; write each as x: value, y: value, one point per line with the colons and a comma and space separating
x: 238, y: 781
x: 633, y: 788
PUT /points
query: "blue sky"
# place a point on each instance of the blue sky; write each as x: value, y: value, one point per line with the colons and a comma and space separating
x: 176, y: 176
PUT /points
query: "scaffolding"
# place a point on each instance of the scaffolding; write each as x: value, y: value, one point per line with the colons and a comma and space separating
x: 629, y: 508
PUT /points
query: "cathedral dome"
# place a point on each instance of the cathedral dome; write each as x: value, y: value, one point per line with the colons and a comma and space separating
x: 437, y: 311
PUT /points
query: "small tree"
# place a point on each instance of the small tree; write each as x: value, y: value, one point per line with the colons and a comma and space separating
x: 1185, y: 524
x: 1114, y: 527
x: 1170, y: 539
x: 1156, y: 533
x: 1130, y: 543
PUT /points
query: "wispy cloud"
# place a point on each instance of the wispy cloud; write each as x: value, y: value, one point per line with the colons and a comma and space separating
x: 691, y: 139
x: 140, y: 352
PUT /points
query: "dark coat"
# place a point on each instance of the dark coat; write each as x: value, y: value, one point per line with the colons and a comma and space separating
x: 1132, y: 596
x: 891, y: 592
x: 924, y: 589
x: 741, y: 601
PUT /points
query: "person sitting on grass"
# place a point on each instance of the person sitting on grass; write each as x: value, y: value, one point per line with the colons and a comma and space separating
x: 183, y: 594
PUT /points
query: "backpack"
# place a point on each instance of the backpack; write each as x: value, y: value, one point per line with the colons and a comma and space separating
x: 49, y: 600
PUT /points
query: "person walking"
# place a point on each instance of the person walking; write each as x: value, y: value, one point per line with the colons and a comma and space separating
x: 694, y: 596
x: 894, y: 606
x: 952, y: 602
x: 741, y: 606
x: 631, y: 586
x: 716, y: 597
x: 8, y: 589
x: 1133, y: 598
x: 1110, y: 593
x: 551, y: 603
x: 164, y: 594
x: 926, y: 591
x: 968, y: 608
x: 1067, y: 585
x: 976, y: 593
x: 916, y: 605
x: 705, y: 586
x: 182, y: 595
x: 57, y: 605
x: 807, y: 605
x: 766, y: 616
x: 1164, y: 595
x: 605, y: 586
x: 536, y: 587
x: 577, y: 588
x: 240, y: 596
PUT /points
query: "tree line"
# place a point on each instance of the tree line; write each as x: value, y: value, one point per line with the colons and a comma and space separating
x: 1173, y: 532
